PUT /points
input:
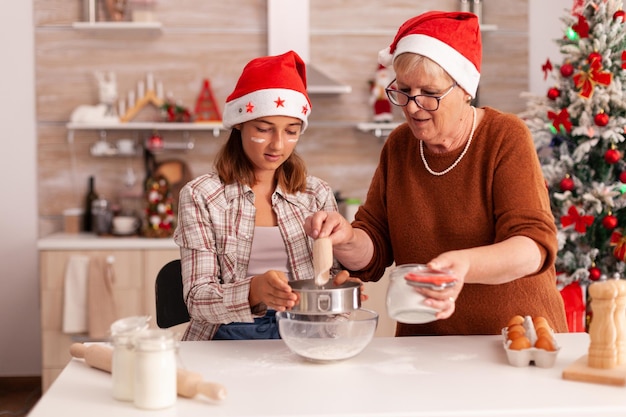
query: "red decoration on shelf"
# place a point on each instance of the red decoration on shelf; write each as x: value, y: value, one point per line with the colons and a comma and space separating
x: 622, y: 177
x: 601, y: 119
x: 567, y: 70
x: 567, y: 184
x: 175, y: 113
x: 595, y: 273
x: 206, y: 106
x: 155, y: 142
x: 612, y: 156
x: 609, y: 222
x: 553, y: 93
x: 620, y: 14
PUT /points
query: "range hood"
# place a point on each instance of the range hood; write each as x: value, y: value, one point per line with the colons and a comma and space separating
x: 288, y: 29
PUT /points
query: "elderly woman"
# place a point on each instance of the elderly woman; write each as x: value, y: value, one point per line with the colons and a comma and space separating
x: 457, y: 187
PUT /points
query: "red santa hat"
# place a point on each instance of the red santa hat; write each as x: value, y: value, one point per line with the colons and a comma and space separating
x: 451, y: 39
x: 269, y: 86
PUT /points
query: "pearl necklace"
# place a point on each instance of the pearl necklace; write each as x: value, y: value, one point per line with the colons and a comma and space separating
x: 455, y: 163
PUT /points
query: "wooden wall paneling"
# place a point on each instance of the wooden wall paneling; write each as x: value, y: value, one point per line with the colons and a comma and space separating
x: 214, y: 40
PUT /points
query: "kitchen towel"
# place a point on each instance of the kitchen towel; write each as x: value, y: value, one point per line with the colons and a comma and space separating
x: 101, y: 312
x: 75, y: 294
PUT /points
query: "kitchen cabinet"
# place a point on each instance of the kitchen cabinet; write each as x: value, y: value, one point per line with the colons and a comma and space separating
x: 136, y: 262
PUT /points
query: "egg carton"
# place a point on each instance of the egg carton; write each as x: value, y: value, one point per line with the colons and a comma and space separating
x: 524, y: 357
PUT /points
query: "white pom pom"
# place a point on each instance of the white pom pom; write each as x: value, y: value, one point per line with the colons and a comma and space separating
x: 385, y: 58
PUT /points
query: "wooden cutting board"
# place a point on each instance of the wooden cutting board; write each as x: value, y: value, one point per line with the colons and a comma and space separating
x: 580, y: 371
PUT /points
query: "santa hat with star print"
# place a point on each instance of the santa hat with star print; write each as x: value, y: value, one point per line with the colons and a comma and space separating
x: 451, y: 39
x: 269, y: 86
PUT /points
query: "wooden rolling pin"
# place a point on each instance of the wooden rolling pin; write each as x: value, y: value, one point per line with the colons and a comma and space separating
x: 188, y: 384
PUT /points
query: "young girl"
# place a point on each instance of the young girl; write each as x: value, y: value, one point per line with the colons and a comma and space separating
x: 240, y: 228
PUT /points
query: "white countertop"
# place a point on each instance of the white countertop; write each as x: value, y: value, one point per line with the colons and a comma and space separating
x: 91, y: 241
x: 392, y: 377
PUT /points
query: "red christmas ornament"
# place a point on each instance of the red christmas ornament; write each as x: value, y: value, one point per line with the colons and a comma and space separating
x: 594, y: 273
x: 601, y: 119
x: 620, y: 14
x: 553, y: 93
x: 612, y: 156
x: 567, y: 184
x: 593, y: 57
x: 609, y: 222
x: 155, y: 142
x: 622, y: 177
x: 567, y: 70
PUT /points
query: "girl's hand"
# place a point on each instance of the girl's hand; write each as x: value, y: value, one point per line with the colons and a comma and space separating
x: 272, y: 288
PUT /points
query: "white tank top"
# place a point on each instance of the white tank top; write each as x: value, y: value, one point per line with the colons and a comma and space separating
x: 268, y: 252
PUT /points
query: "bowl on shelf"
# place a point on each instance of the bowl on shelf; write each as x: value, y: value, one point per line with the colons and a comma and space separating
x: 327, y: 338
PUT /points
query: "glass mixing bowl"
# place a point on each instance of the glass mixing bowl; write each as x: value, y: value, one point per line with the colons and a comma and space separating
x: 327, y: 338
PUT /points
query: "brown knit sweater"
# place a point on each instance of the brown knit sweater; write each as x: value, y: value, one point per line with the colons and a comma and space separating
x: 495, y: 192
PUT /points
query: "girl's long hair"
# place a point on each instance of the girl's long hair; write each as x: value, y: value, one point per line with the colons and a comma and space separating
x: 233, y: 166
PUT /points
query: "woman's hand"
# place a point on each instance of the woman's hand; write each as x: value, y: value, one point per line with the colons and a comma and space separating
x: 344, y: 276
x: 352, y: 247
x: 272, y: 288
x: 329, y: 224
x: 445, y: 300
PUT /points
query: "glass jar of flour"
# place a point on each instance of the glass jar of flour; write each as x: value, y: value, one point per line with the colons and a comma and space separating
x: 123, y: 333
x: 155, y: 369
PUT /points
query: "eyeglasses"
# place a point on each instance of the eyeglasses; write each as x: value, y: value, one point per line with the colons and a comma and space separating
x: 423, y: 101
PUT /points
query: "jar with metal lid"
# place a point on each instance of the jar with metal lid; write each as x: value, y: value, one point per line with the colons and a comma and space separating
x: 123, y: 332
x: 155, y: 369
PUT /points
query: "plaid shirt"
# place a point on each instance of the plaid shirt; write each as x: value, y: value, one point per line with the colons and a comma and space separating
x: 215, y: 230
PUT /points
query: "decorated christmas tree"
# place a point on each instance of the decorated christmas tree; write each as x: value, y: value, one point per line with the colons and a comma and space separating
x: 579, y: 131
x: 159, y: 208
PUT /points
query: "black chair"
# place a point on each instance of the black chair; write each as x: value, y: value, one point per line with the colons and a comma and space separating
x: 170, y: 304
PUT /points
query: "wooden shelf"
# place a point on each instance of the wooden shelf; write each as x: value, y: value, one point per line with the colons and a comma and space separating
x: 377, y: 129
x: 216, y: 127
x: 146, y: 27
x: 146, y: 126
x: 488, y: 28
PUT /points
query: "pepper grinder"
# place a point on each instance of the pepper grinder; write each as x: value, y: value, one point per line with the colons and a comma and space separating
x: 464, y: 6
